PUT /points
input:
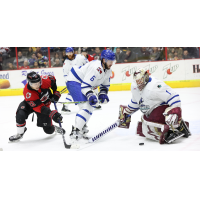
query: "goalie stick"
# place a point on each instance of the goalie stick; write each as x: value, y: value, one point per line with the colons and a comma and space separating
x: 67, y: 146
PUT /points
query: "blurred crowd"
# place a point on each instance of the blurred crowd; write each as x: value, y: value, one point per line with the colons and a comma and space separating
x: 38, y: 57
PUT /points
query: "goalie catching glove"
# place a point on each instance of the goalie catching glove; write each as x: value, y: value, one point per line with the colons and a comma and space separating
x: 125, y: 120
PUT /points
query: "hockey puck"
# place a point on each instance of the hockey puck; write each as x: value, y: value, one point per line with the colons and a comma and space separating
x: 141, y: 143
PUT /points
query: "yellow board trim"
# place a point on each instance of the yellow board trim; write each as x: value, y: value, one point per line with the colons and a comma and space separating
x: 113, y: 87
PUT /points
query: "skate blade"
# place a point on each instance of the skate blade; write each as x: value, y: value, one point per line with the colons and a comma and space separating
x: 65, y: 113
x: 170, y: 141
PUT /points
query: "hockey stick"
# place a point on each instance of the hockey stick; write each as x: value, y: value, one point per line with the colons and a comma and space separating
x: 63, y: 90
x: 73, y: 102
x: 67, y: 146
x: 108, y: 129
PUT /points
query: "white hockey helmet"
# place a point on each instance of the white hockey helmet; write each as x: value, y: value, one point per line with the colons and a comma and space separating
x: 141, y: 77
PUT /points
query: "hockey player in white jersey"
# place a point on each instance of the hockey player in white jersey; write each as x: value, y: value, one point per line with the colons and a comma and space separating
x: 71, y: 60
x: 161, y: 105
x: 81, y: 81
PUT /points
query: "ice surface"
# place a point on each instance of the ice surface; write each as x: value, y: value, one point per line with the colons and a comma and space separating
x: 117, y: 140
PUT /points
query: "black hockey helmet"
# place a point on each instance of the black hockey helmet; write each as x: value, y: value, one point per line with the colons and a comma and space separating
x: 33, y: 77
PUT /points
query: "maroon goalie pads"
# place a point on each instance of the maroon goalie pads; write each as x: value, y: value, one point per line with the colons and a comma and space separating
x: 139, y: 129
x: 125, y: 121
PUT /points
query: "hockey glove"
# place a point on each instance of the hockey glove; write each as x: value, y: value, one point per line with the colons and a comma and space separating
x: 103, y: 97
x: 57, y: 117
x: 56, y: 96
x: 124, y: 111
x: 92, y: 98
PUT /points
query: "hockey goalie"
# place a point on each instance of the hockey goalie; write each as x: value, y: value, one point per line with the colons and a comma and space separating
x: 161, y: 107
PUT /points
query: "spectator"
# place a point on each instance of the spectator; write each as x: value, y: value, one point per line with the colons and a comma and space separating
x: 4, y: 54
x: 143, y: 54
x: 192, y: 51
x: 37, y: 50
x: 57, y: 63
x: 42, y: 60
x: 88, y: 56
x: 90, y: 50
x: 56, y: 49
x: 64, y: 56
x: 97, y: 54
x: 130, y: 56
x: 25, y: 65
x: 186, y: 55
x: 21, y: 60
x: 175, y: 56
x: 30, y: 52
x: 53, y: 60
x: 34, y: 49
x: 170, y: 56
x: 10, y: 66
x: 32, y: 60
x: 36, y: 65
x: 179, y: 51
x: 119, y: 55
x: 155, y: 54
x: 44, y: 50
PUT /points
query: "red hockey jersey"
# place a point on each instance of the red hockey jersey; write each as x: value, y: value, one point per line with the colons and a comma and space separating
x: 40, y: 98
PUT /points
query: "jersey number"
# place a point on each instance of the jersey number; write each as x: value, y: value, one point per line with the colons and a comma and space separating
x: 92, y: 79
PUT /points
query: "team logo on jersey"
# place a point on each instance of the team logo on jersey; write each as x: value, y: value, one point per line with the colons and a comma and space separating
x: 28, y: 95
x: 44, y: 97
x: 144, y: 108
x: 99, y: 70
x: 22, y: 107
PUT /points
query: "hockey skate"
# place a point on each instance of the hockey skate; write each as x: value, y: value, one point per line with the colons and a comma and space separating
x: 172, y: 136
x: 59, y: 130
x: 98, y: 107
x: 17, y: 137
x: 76, y: 134
x: 85, y: 131
x: 181, y: 131
x: 65, y: 110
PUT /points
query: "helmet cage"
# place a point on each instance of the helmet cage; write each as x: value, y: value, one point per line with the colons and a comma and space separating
x: 141, y: 78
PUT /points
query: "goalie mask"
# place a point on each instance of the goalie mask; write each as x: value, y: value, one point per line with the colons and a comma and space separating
x: 141, y: 77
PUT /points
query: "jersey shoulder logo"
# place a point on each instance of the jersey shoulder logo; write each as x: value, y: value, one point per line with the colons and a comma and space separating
x: 99, y: 70
x: 28, y: 95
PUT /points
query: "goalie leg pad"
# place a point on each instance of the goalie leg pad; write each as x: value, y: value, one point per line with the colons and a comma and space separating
x: 154, y: 131
x: 139, y: 129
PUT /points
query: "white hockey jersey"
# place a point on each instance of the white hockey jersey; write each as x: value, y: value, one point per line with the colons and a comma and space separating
x: 90, y: 75
x: 79, y: 60
x: 155, y: 93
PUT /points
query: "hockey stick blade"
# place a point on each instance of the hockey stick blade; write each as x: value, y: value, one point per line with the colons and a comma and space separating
x: 67, y: 146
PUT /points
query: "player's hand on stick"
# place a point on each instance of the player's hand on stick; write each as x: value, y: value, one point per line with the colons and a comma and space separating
x: 92, y: 98
x: 56, y: 96
x: 57, y: 117
x: 103, y: 97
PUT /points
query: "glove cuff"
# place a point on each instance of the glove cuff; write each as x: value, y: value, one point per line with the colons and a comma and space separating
x: 57, y: 94
x: 52, y: 113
